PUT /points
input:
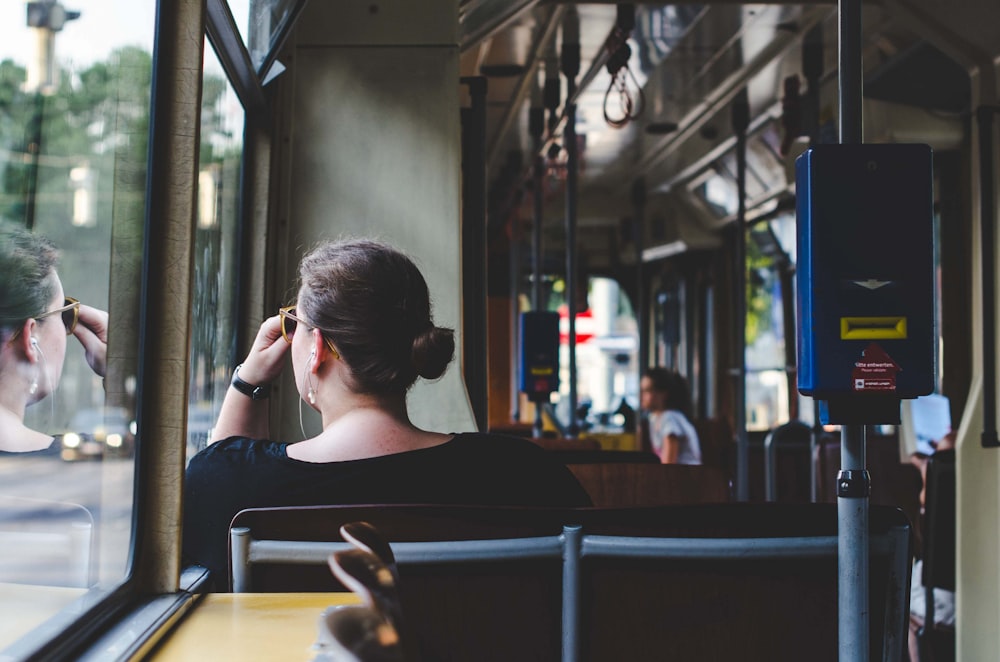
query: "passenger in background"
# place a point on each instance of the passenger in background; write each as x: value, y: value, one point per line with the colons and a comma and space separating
x: 359, y: 335
x: 35, y: 319
x: 664, y: 397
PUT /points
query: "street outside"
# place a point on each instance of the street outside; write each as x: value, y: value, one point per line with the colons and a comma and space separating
x: 104, y: 488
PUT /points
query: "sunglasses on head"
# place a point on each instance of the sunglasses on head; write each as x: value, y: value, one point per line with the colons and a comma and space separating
x: 289, y: 321
x: 69, y: 311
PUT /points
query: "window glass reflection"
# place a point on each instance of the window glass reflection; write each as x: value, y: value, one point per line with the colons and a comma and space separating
x: 213, y: 327
x: 267, y: 18
x: 74, y: 123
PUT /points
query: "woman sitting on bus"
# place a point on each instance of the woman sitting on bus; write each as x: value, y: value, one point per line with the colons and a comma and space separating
x: 664, y: 396
x: 359, y: 335
x: 35, y: 319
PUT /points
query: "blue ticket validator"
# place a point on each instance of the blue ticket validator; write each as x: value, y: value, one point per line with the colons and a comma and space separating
x: 865, y: 278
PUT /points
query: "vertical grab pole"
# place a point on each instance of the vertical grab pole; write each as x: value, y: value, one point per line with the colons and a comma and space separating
x: 852, y: 483
x: 514, y: 283
x: 536, y: 123
x: 570, y: 68
x: 639, y: 213
x: 572, y: 546
x: 852, y: 545
x: 476, y: 327
x: 741, y: 120
x: 984, y: 119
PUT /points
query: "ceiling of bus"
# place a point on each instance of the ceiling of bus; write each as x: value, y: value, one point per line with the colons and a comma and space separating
x: 669, y: 126
x: 690, y: 61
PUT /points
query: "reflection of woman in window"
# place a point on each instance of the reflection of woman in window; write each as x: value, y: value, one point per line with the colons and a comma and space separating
x: 664, y: 396
x: 36, y: 317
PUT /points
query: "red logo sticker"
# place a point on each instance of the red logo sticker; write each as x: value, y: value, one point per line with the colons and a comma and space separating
x: 874, y: 371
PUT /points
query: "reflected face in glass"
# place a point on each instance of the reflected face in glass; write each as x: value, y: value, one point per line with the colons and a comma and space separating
x: 51, y: 331
x: 69, y: 313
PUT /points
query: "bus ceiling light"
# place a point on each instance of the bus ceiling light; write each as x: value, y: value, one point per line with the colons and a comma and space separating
x: 675, y: 247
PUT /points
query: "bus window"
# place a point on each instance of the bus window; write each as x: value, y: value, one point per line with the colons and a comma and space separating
x: 768, y: 391
x: 607, y: 338
x: 215, y: 272
x: 74, y: 122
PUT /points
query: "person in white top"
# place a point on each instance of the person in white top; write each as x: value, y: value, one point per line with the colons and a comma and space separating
x: 665, y: 398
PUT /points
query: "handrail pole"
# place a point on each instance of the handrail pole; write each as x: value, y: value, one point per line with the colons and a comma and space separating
x: 984, y: 118
x: 740, y: 122
x: 570, y: 68
x: 852, y: 484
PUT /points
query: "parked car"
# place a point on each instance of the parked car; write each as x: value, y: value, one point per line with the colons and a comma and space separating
x: 99, y: 432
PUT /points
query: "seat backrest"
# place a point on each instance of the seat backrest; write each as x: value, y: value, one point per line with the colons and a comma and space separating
x: 736, y: 581
x: 45, y: 542
x: 567, y: 444
x: 939, y: 522
x: 893, y: 483
x: 648, y: 484
x: 715, y: 436
x: 497, y: 571
x: 709, y: 581
x: 787, y: 458
x: 605, y: 457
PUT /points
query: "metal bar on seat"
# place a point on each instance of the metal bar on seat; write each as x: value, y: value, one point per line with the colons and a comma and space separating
x: 572, y: 538
x: 708, y: 548
x: 438, y: 551
x: 239, y: 541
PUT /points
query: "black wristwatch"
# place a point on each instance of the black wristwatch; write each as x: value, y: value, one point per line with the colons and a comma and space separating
x: 252, y: 391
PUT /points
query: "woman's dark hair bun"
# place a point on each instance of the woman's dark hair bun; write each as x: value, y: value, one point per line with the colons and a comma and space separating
x: 433, y: 349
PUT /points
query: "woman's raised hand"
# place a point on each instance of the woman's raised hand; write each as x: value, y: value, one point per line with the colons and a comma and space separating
x: 267, y: 355
x: 92, y: 332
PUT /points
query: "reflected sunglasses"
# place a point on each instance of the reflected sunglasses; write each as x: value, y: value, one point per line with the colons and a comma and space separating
x: 288, y: 323
x: 69, y: 311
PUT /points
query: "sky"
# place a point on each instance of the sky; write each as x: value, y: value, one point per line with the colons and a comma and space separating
x: 103, y: 25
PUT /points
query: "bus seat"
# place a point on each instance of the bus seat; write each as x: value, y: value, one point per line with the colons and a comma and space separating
x: 567, y: 444
x: 708, y: 581
x: 893, y: 483
x: 469, y: 575
x: 787, y: 460
x: 619, y: 484
x: 735, y: 581
x: 512, y: 429
x: 605, y: 457
x: 718, y: 446
x: 937, y: 642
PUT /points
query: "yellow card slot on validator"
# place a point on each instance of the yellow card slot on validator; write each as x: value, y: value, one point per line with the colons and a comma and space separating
x: 872, y: 328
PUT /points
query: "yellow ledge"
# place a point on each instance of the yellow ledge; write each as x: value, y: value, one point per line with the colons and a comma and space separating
x: 250, y: 626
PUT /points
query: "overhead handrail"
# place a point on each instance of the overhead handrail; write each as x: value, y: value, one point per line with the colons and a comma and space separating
x: 526, y: 82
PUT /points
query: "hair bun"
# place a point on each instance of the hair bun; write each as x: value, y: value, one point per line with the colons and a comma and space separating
x: 433, y: 349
